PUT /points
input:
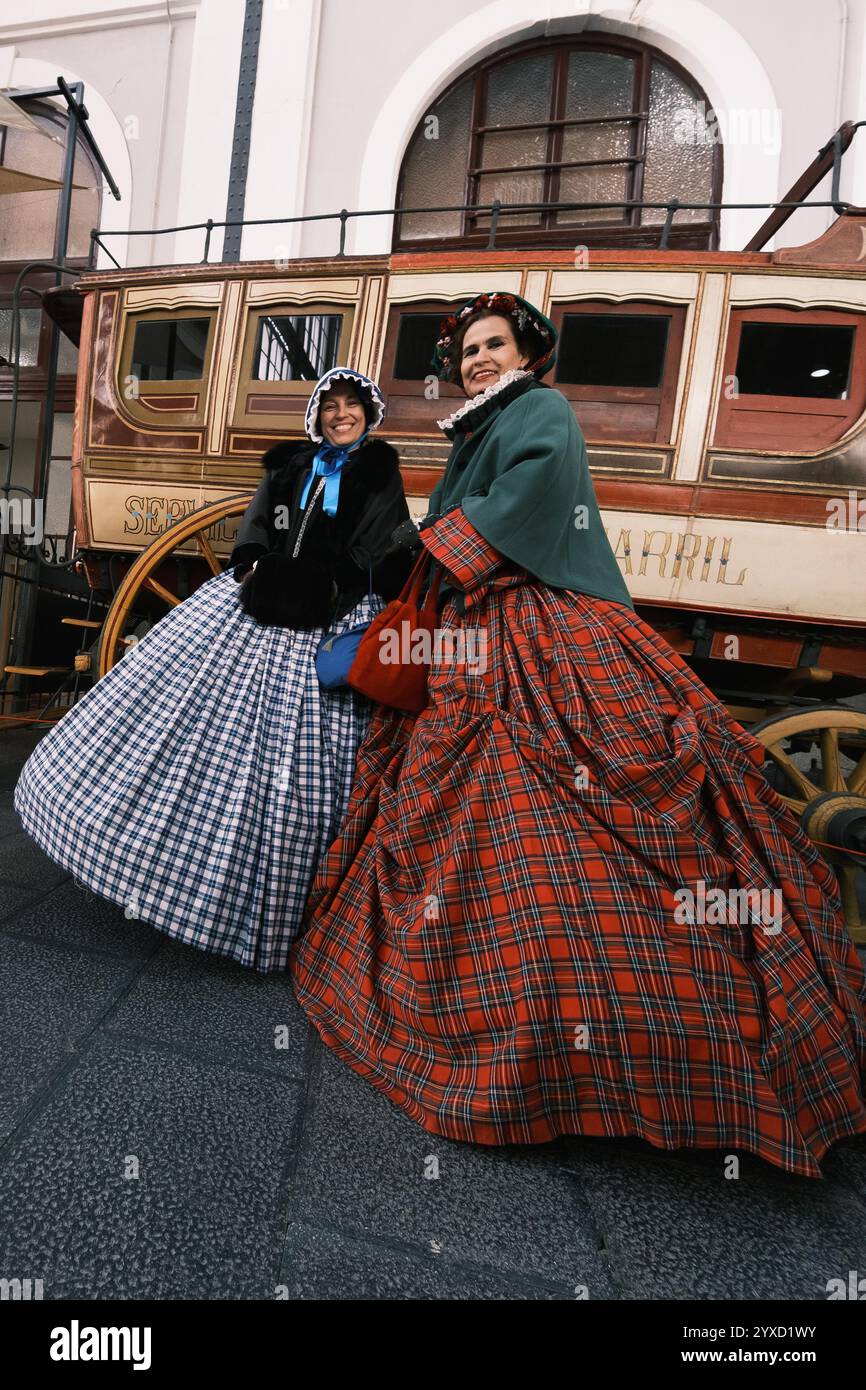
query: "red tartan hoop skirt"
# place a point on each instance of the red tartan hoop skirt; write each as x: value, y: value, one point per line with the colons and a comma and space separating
x: 493, y: 938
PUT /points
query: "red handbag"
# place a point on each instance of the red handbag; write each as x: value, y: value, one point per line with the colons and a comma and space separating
x: 402, y: 682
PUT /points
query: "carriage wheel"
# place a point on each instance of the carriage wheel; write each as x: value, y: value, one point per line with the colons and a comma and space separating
x: 141, y: 575
x: 829, y: 800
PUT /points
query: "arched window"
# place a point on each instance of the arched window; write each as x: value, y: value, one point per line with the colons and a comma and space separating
x: 28, y: 213
x: 31, y: 167
x: 565, y: 121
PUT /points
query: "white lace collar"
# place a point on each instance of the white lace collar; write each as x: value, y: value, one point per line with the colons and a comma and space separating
x: 505, y: 380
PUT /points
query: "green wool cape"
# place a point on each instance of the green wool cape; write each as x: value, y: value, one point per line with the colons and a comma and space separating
x: 518, y: 469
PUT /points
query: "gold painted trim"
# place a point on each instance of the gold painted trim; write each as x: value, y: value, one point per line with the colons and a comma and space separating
x: 224, y: 355
x: 804, y: 489
x: 285, y: 391
x: 194, y: 295
x: 716, y: 387
x: 687, y: 362
x: 129, y: 409
x: 308, y: 290
x: 369, y: 323
x: 662, y: 456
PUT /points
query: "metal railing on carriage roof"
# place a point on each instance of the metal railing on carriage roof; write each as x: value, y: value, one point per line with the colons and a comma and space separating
x: 828, y: 158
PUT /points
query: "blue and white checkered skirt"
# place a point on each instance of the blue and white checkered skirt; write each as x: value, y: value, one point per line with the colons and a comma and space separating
x: 200, y: 781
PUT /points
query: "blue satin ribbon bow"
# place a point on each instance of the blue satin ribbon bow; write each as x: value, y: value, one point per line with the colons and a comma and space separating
x: 328, y: 464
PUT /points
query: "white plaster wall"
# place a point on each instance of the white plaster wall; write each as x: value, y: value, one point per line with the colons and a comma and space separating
x: 161, y: 88
x: 341, y: 86
x: 281, y: 130
x: 205, y: 140
x: 133, y: 61
x: 759, y: 56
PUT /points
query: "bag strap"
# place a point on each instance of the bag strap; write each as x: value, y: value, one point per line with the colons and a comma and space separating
x: 412, y: 588
x: 433, y: 591
x: 308, y: 511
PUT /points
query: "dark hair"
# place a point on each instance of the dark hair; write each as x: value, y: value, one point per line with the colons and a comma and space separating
x: 529, y: 342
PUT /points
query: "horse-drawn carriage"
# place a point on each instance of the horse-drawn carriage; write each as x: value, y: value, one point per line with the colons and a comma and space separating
x: 723, y: 399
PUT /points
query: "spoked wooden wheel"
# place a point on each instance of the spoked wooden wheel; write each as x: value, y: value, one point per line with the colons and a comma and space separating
x: 142, y: 575
x: 829, y: 798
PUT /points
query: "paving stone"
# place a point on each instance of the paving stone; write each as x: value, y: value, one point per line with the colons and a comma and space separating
x: 676, y: 1228
x: 203, y: 1219
x: 183, y: 1074
x: 208, y: 1004
x: 363, y: 1169
x: 50, y: 999
x: 330, y: 1265
x: 16, y: 745
x: 25, y: 872
x: 846, y: 1162
x: 72, y: 916
x: 10, y: 821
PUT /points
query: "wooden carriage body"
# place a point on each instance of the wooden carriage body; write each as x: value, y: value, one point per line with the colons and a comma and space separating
x: 747, y: 509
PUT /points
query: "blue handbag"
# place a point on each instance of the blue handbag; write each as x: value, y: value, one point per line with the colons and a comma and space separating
x: 336, y: 652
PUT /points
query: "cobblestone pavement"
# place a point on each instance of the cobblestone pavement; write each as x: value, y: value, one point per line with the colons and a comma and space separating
x: 264, y: 1172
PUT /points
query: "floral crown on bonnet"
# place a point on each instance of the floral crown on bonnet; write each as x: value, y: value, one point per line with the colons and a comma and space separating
x: 512, y: 306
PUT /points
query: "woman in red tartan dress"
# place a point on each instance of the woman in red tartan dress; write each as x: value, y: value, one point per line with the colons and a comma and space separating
x: 518, y: 932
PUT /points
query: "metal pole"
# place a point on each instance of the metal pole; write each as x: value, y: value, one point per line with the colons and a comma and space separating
x: 669, y: 221
x: 22, y: 640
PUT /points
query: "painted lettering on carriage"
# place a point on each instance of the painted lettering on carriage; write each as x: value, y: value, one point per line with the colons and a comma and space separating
x: 150, y: 516
x: 658, y: 553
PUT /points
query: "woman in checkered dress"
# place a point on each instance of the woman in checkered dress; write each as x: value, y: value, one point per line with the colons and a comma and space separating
x: 565, y: 899
x: 199, y: 782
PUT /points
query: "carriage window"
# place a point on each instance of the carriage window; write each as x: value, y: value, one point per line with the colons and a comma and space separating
x: 169, y: 349
x: 778, y: 359
x: 416, y: 340
x: 613, y: 349
x: 793, y: 381
x: 296, y: 347
x: 619, y: 366
x: 414, y: 402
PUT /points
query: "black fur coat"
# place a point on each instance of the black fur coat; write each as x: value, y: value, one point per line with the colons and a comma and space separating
x: 331, y: 571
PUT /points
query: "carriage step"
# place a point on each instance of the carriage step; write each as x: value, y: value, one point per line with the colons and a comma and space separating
x: 35, y: 670
x: 80, y: 622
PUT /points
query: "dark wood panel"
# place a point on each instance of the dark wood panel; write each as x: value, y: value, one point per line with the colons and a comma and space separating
x: 785, y: 428
x: 627, y: 420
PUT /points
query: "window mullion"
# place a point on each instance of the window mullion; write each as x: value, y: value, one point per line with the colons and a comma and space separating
x: 472, y: 181
x: 638, y: 143
x: 552, y: 177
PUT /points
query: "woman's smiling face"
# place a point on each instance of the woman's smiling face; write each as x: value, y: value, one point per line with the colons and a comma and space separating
x: 341, y: 415
x: 489, y: 348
